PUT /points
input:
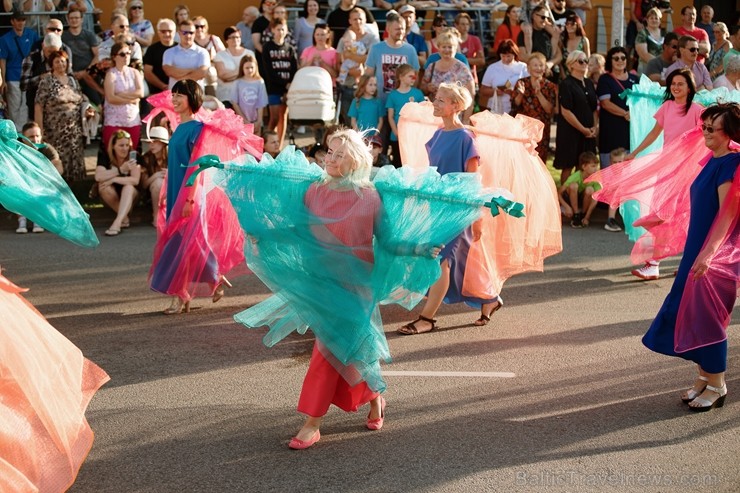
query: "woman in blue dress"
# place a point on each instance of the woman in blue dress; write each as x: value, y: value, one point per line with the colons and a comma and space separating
x: 721, y: 125
x: 452, y: 149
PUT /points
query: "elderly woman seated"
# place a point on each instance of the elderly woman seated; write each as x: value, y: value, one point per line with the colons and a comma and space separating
x: 118, y: 180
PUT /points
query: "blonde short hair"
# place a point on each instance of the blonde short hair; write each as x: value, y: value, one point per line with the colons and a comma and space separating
x: 573, y: 56
x: 355, y: 147
x: 458, y: 92
x: 448, y: 37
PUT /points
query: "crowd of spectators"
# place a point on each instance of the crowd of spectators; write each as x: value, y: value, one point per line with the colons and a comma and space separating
x: 538, y: 62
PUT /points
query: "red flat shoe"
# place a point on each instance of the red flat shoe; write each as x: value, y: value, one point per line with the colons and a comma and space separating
x: 377, y: 423
x: 296, y: 444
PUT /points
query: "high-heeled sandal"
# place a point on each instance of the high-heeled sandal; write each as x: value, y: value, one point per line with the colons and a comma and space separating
x: 410, y: 328
x: 377, y: 423
x: 692, y: 394
x: 484, y: 319
x: 706, y: 404
x: 177, y: 306
x: 219, y: 292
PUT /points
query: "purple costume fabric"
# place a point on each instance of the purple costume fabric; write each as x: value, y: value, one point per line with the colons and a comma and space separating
x: 449, y: 151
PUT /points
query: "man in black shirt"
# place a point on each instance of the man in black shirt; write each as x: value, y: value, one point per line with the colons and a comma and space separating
x: 154, y: 74
x: 540, y: 36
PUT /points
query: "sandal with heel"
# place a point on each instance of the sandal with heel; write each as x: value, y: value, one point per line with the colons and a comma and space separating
x: 484, y: 319
x: 178, y: 306
x: 219, y: 292
x: 692, y: 394
x: 410, y: 328
x: 706, y: 404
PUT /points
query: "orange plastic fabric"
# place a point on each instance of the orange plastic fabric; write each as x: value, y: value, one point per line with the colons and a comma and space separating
x: 509, y: 160
x: 45, y: 387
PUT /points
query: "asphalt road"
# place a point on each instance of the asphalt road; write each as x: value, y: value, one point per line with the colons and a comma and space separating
x: 559, y: 394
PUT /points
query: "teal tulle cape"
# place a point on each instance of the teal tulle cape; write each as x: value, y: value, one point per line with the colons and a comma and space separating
x: 322, y: 284
x: 32, y: 187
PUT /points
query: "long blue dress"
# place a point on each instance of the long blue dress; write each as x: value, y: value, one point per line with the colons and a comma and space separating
x: 449, y: 151
x: 704, y: 208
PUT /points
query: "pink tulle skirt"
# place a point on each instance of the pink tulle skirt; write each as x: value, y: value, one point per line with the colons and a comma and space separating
x: 193, y: 253
x: 509, y: 160
x: 45, y: 387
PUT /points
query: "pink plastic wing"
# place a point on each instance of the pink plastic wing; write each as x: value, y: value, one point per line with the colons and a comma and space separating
x: 707, y: 302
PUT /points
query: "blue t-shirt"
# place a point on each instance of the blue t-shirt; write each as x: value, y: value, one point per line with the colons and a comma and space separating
x: 397, y: 99
x: 9, y: 44
x: 180, y: 150
x: 450, y: 150
x: 435, y: 57
x: 385, y: 60
x: 418, y: 42
x: 367, y: 112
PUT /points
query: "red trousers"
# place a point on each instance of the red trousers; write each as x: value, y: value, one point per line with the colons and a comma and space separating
x: 324, y: 386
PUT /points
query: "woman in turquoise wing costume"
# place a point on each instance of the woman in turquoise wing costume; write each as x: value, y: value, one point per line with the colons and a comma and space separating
x: 332, y: 246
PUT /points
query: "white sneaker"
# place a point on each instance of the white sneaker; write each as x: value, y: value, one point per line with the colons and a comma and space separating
x: 21, y: 230
x: 648, y: 272
x: 37, y: 229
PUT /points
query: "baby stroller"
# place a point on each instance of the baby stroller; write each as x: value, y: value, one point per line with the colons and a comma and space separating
x: 311, y: 102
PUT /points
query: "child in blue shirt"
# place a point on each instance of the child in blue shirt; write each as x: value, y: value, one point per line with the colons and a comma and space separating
x: 405, y: 92
x: 366, y: 110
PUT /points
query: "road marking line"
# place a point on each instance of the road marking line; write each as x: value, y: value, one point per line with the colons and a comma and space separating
x: 484, y: 374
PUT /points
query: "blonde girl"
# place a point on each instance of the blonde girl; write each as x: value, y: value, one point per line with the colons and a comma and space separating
x: 250, y: 93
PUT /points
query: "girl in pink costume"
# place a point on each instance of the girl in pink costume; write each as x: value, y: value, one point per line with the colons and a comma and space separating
x: 677, y: 115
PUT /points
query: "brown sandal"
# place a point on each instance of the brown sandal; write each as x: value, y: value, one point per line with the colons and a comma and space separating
x: 484, y: 319
x: 410, y: 328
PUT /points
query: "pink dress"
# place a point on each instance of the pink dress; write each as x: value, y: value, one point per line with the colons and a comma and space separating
x: 326, y: 379
x: 329, y: 56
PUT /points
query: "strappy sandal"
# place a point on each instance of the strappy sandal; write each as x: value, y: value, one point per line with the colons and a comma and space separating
x: 410, y: 328
x: 692, y: 394
x: 484, y: 319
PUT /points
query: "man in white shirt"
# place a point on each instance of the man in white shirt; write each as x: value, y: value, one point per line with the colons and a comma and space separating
x: 186, y: 60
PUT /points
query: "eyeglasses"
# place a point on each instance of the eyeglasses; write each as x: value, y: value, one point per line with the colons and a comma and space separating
x: 235, y: 36
x: 54, y: 29
x: 709, y: 129
x: 673, y: 47
x: 582, y: 61
x: 693, y: 50
x: 199, y: 26
x: 619, y: 58
x: 541, y: 16
x: 187, y: 33
x: 123, y: 26
x: 130, y: 43
x: 165, y: 30
x: 124, y: 54
x: 136, y: 7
